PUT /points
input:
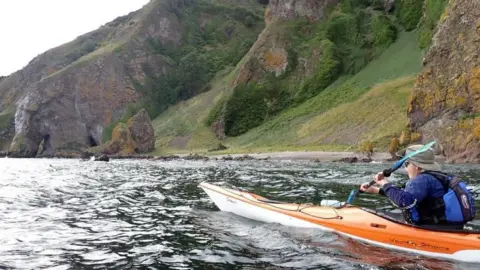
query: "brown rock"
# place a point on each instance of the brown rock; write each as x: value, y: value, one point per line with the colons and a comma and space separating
x: 122, y: 141
x: 142, y: 131
x: 102, y: 158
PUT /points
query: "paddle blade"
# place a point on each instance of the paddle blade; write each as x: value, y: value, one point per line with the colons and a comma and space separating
x: 352, y: 195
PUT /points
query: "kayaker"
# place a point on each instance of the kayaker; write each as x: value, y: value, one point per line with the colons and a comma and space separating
x: 424, y: 199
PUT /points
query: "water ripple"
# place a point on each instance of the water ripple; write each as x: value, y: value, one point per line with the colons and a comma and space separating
x: 127, y: 214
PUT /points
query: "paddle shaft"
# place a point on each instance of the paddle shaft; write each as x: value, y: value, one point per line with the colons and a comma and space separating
x: 386, y: 173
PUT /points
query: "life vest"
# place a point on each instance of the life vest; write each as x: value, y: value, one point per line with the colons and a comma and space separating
x: 457, y: 206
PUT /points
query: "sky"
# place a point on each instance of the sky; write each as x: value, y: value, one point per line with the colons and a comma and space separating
x: 31, y: 27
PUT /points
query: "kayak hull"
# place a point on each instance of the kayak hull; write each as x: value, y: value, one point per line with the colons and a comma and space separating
x: 349, y: 221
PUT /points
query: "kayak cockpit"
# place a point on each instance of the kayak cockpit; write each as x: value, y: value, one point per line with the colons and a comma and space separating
x: 397, y: 217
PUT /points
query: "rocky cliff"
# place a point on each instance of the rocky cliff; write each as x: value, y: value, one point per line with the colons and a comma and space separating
x: 67, y: 97
x: 445, y: 102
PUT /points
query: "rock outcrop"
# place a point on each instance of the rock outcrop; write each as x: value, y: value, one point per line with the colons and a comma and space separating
x: 121, y: 142
x: 135, y: 136
x: 69, y: 111
x: 446, y: 96
x: 141, y: 128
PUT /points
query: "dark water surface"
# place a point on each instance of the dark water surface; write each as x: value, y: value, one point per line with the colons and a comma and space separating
x: 129, y: 214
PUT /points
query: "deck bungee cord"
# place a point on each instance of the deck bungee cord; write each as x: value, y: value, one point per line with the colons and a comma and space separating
x: 273, y: 204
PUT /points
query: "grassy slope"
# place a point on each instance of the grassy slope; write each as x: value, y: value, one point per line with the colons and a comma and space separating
x: 348, y: 106
x: 403, y: 58
x: 182, y: 126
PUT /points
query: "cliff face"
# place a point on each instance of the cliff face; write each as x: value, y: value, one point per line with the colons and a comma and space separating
x: 69, y: 110
x: 445, y: 102
x: 48, y: 63
x: 67, y: 96
x: 313, y: 10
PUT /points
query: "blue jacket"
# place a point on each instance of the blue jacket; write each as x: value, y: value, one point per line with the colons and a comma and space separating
x: 418, y: 188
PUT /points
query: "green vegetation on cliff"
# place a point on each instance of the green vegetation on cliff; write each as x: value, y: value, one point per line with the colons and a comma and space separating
x: 409, y: 12
x: 343, y: 43
x: 295, y: 127
x: 182, y: 127
x: 422, y: 15
x: 215, y: 36
x: 433, y: 13
x: 5, y: 118
x: 5, y: 133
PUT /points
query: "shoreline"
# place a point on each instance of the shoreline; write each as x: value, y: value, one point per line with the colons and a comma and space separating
x: 324, y: 156
x: 316, y: 156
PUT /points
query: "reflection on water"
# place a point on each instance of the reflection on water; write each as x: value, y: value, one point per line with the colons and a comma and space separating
x: 67, y: 214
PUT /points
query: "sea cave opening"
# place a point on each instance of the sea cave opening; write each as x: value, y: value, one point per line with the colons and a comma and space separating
x: 92, y: 142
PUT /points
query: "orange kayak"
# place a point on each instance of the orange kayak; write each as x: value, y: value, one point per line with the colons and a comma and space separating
x: 381, y: 229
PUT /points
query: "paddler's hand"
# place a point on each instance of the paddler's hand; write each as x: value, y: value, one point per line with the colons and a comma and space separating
x: 380, y: 179
x: 371, y: 189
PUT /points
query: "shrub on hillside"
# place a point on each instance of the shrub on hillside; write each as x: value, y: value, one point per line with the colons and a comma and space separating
x: 394, y: 146
x: 328, y: 70
x: 409, y: 13
x: 251, y: 104
x: 367, y: 147
x: 357, y: 36
x: 405, y: 137
x: 383, y: 30
x: 343, y: 28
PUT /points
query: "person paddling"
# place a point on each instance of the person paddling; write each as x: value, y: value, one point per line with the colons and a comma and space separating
x: 430, y: 197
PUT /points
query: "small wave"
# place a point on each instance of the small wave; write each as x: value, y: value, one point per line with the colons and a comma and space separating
x: 65, y: 214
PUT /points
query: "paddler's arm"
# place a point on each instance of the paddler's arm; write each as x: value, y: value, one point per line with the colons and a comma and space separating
x: 415, y: 191
x: 379, y: 179
x: 376, y: 190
